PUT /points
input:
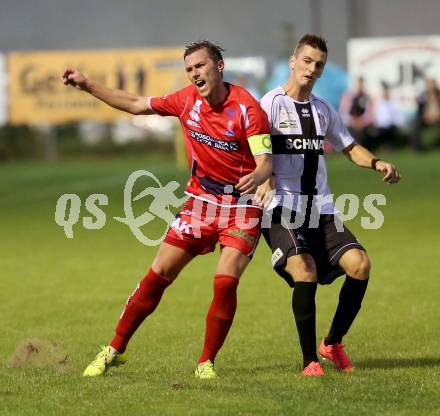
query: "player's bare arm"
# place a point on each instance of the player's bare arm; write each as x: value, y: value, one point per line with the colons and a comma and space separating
x: 121, y: 100
x: 365, y: 159
x: 248, y: 184
x: 265, y: 192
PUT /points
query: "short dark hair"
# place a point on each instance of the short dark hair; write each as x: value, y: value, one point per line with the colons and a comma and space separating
x: 315, y: 41
x: 214, y: 50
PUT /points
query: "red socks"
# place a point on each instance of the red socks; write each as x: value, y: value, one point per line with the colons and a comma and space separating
x: 147, y: 295
x: 220, y: 315
x: 140, y: 304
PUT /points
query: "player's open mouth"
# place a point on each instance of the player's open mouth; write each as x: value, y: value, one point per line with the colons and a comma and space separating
x: 200, y: 83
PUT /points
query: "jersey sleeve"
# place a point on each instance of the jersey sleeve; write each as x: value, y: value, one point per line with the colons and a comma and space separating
x: 257, y: 128
x: 168, y: 105
x: 337, y: 134
x: 266, y: 103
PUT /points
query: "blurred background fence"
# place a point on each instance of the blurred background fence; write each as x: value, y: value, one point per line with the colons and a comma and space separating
x: 397, y: 105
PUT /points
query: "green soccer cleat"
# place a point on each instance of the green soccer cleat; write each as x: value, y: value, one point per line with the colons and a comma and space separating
x: 205, y: 371
x: 103, y: 361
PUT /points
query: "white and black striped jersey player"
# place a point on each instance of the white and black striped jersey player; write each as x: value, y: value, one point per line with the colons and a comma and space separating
x: 299, y: 131
x: 315, y: 251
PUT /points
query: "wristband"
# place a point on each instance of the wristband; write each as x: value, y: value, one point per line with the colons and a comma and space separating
x: 373, y: 163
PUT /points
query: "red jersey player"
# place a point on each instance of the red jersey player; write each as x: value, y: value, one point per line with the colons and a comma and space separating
x: 227, y: 139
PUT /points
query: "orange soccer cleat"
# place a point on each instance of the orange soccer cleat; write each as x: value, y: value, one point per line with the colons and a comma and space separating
x: 314, y: 369
x: 336, y: 353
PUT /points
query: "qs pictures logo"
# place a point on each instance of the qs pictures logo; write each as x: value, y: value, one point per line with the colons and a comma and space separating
x: 163, y: 198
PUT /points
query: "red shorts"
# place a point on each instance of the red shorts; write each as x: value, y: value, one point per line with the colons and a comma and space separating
x: 199, y: 225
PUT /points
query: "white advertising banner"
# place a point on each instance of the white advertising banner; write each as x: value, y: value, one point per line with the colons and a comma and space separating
x: 403, y: 63
x: 3, y: 90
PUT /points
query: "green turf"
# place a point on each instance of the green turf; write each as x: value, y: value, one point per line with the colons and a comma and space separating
x: 71, y: 292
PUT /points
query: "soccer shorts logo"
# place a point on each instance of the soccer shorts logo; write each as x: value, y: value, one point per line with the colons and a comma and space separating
x: 276, y: 256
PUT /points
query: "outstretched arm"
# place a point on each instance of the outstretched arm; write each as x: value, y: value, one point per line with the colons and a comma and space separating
x: 133, y: 104
x: 365, y: 159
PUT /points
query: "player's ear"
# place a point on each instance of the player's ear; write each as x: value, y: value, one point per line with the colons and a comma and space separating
x: 221, y: 65
x: 292, y: 62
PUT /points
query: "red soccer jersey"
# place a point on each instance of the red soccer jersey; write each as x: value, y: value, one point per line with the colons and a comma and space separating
x: 215, y: 137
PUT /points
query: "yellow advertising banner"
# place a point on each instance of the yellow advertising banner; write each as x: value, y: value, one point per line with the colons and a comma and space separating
x: 37, y: 94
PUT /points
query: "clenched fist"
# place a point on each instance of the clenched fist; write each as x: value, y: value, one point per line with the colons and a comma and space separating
x: 76, y: 79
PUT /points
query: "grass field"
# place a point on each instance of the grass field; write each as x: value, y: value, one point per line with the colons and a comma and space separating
x: 62, y: 297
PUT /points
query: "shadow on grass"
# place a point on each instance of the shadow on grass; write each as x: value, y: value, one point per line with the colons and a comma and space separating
x: 398, y: 362
x: 275, y: 368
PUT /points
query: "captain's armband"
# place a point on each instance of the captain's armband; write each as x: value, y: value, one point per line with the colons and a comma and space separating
x: 260, y: 143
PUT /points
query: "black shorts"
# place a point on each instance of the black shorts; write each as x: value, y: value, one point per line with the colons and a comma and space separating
x: 325, y: 243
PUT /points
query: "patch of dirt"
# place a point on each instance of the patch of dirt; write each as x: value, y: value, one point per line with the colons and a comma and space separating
x: 36, y: 352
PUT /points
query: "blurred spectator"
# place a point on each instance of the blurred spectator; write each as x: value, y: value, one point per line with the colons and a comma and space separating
x: 388, y: 119
x: 356, y: 110
x: 428, y: 114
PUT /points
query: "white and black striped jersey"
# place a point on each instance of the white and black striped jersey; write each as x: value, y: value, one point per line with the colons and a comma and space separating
x: 298, y: 132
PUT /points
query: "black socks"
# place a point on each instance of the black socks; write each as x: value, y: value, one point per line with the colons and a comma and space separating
x: 350, y: 300
x: 304, y: 311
